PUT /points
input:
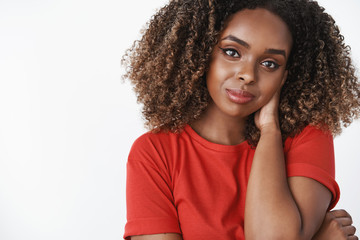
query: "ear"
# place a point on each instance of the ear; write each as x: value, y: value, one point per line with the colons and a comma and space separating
x: 284, y: 78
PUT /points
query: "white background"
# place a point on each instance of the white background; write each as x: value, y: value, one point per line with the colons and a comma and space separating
x: 67, y: 121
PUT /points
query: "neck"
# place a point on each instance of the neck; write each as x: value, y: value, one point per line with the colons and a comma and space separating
x: 219, y: 128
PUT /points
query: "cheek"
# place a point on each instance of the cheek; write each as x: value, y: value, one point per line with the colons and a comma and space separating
x: 217, y: 68
x: 270, y: 86
x: 218, y: 73
x: 214, y: 75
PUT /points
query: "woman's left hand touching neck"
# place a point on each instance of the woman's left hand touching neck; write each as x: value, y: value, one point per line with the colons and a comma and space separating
x: 267, y: 118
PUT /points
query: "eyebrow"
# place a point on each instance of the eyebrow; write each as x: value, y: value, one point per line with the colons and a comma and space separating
x: 245, y: 44
x: 275, y: 51
x: 235, y: 39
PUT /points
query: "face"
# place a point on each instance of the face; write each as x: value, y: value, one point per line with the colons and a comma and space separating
x: 248, y: 65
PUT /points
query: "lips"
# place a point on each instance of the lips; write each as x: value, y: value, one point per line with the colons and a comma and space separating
x: 239, y: 96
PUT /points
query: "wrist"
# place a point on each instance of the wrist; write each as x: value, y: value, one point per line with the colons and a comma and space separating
x: 270, y: 132
x: 270, y: 128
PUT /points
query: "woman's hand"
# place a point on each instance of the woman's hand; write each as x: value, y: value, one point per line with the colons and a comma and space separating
x: 268, y: 115
x: 337, y: 225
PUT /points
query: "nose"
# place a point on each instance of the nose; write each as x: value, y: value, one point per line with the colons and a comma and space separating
x: 246, y: 73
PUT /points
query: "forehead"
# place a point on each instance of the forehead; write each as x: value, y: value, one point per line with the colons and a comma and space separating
x: 259, y: 26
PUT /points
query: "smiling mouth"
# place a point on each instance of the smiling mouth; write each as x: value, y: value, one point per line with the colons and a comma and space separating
x: 239, y: 96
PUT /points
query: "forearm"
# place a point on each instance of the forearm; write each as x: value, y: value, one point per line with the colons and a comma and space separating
x: 269, y: 202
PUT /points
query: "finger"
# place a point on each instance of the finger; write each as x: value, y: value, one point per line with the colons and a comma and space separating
x: 344, y: 221
x: 349, y: 230
x: 340, y: 213
x: 353, y: 238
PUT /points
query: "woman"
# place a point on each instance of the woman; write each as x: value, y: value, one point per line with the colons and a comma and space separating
x: 243, y: 99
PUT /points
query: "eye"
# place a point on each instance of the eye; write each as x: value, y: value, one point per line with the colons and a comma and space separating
x: 230, y: 52
x: 270, y: 64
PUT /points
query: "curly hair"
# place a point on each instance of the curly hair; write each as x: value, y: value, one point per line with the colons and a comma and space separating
x: 167, y: 66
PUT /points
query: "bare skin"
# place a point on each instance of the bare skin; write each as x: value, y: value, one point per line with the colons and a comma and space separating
x: 254, y: 61
x: 337, y: 225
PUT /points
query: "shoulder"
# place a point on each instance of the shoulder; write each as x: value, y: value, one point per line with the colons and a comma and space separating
x: 151, y: 139
x: 156, y: 145
x: 310, y: 135
x: 312, y: 147
x: 311, y: 154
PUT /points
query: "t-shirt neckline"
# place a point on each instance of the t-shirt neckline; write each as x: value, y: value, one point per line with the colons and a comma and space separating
x: 215, y: 146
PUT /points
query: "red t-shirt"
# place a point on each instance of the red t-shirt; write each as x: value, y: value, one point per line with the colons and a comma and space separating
x: 182, y: 183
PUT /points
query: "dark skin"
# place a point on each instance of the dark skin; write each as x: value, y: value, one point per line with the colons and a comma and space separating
x: 336, y: 226
x: 247, y: 71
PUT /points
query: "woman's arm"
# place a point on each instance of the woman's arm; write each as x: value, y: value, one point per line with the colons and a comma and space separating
x: 284, y: 208
x: 337, y: 225
x: 277, y: 207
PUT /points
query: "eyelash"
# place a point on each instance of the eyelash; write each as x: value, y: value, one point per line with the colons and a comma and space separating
x: 227, y: 50
x: 276, y: 66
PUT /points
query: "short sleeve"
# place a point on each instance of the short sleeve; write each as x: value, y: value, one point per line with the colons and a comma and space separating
x: 311, y: 154
x: 149, y: 198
